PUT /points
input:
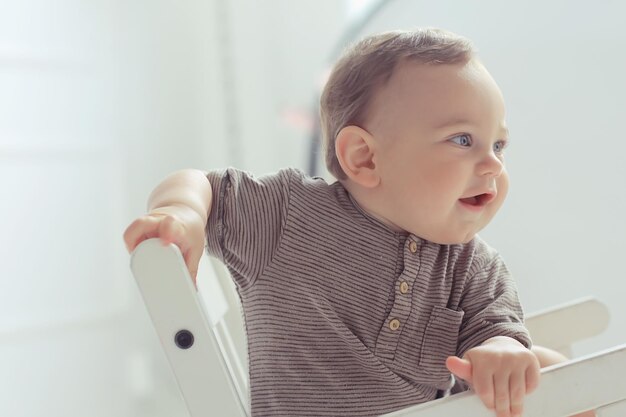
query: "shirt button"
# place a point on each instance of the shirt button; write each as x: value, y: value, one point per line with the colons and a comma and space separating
x: 394, y: 324
x: 413, y: 247
x: 404, y: 287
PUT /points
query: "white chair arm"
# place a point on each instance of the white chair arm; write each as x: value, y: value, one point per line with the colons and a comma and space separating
x: 587, y: 383
x: 560, y: 326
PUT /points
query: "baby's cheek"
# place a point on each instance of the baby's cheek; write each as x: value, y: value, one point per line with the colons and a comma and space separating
x: 502, y: 184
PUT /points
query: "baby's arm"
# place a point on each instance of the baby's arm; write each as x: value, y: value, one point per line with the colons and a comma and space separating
x: 501, y: 371
x: 178, y: 209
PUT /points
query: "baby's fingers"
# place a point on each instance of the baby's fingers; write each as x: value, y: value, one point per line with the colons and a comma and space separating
x: 532, y: 378
x: 192, y: 260
x: 165, y: 227
x: 171, y: 230
x: 141, y: 229
x: 518, y: 391
x: 483, y: 387
x: 502, y: 395
x: 460, y: 367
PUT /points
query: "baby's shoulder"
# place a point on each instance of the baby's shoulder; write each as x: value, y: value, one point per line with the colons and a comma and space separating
x: 482, y: 249
x: 305, y: 185
x: 285, y: 178
x: 475, y: 254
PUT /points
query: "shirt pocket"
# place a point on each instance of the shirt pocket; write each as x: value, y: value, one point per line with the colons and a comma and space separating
x: 440, y: 341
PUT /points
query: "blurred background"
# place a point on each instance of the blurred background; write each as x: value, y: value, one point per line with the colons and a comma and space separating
x: 101, y: 99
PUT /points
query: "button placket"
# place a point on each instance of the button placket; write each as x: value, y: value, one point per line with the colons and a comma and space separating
x: 389, y: 335
x: 411, y: 256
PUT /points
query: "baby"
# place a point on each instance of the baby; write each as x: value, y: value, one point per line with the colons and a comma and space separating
x: 368, y: 294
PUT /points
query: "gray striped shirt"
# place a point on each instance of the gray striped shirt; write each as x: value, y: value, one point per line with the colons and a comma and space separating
x: 344, y: 316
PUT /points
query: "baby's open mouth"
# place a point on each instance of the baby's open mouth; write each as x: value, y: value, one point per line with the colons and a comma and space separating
x: 478, y: 200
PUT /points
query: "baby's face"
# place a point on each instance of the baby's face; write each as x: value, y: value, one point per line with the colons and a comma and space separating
x: 440, y: 132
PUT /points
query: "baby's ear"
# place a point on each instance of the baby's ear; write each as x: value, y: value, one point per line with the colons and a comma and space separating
x: 355, y: 148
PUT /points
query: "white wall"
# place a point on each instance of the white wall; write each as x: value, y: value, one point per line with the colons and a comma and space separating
x: 98, y: 101
x: 101, y: 99
x: 94, y: 98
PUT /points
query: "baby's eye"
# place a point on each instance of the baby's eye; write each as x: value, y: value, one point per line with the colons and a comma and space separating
x: 463, y: 140
x: 499, y: 146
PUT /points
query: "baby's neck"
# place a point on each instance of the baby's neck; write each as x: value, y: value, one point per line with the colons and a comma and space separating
x: 365, y: 198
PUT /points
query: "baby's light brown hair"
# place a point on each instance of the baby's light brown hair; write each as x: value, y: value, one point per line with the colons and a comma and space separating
x: 368, y: 65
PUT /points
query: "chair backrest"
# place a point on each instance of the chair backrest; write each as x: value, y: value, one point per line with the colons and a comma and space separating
x: 205, y: 345
x: 559, y: 327
x: 196, y: 339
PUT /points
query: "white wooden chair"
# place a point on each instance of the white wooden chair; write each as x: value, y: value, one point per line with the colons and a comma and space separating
x: 205, y: 345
